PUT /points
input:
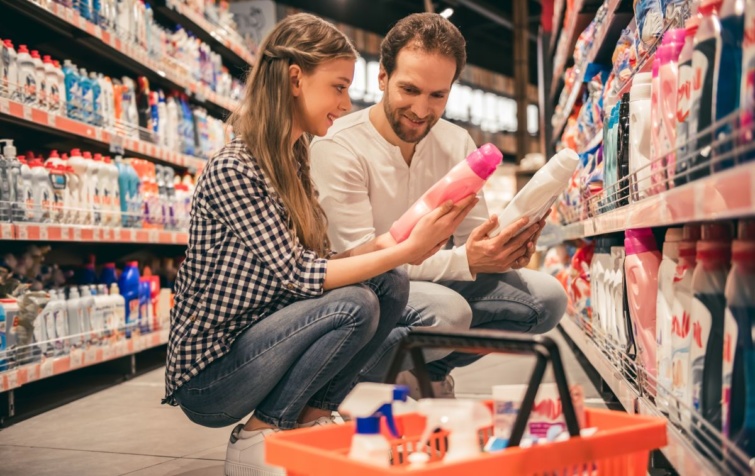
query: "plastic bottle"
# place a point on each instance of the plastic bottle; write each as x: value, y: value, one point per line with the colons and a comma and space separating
x: 106, y: 101
x: 52, y: 88
x: 663, y: 172
x: 39, y: 69
x: 684, y: 102
x: 72, y: 90
x: 639, y: 135
x: 623, y: 187
x: 464, y: 179
x: 727, y: 93
x: 130, y: 111
x: 144, y: 110
x: 45, y: 335
x: 124, y: 196
x: 5, y: 190
x: 115, y: 193
x: 95, y: 186
x: 707, y: 318
x: 705, y: 65
x: 739, y: 343
x: 661, y: 55
x: 118, y: 304
x: 129, y: 288
x: 96, y: 99
x: 172, y: 142
x: 27, y: 76
x: 80, y: 166
x: 58, y: 186
x: 102, y: 313
x: 107, y: 276
x: 747, y: 87
x: 10, y: 311
x: 42, y: 192
x: 642, y: 263
x: 10, y: 84
x: 86, y: 108
x: 162, y: 122
x: 11, y: 185
x: 75, y: 315
x: 541, y: 192
x: 58, y: 83
x: 367, y: 403
x: 4, y: 329
x: 681, y: 337
x: 60, y: 316
x: 145, y: 306
x: 462, y: 418
x: 27, y: 196
x: 664, y: 303
x: 88, y: 315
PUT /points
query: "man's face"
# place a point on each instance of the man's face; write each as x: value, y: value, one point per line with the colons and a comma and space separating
x: 417, y: 92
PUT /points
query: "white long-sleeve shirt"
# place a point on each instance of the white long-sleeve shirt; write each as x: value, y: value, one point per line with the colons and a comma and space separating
x: 365, y: 185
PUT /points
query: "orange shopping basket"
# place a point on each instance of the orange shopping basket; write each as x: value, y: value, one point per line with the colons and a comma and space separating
x: 621, y: 446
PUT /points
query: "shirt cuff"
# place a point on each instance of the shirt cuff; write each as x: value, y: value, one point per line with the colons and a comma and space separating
x: 461, y: 263
x: 309, y: 278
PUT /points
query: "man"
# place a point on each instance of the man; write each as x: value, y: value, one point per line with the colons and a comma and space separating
x: 375, y: 163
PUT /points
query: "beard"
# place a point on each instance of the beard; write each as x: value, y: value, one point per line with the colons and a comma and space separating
x: 403, y: 132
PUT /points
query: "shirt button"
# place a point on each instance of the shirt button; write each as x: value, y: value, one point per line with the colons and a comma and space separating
x: 290, y: 286
x: 193, y: 318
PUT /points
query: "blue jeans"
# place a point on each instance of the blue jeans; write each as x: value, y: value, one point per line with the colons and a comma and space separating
x: 306, y: 354
x: 519, y: 301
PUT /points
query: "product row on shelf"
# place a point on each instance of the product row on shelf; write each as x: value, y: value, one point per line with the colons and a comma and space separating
x: 676, y: 323
x: 50, y: 311
x: 92, y: 190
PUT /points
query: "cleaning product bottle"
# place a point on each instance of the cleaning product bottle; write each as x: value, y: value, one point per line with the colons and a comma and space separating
x: 58, y: 185
x: 80, y: 166
x: 684, y: 103
x: 642, y: 263
x: 27, y: 76
x: 129, y: 288
x: 130, y: 111
x: 27, y: 196
x: 52, y: 87
x: 72, y: 90
x: 705, y: 69
x: 95, y: 186
x: 107, y: 276
x: 101, y: 307
x: 107, y: 101
x: 59, y: 83
x: 462, y: 418
x: 145, y: 306
x: 707, y: 321
x: 86, y: 110
x: 639, y: 135
x: 172, y: 141
x: 738, y: 408
x: 62, y: 343
x: 747, y: 87
x: 72, y: 204
x: 541, y: 192
x: 87, y: 309
x: 162, y: 122
x: 664, y: 303
x: 119, y: 310
x: 5, y: 190
x: 75, y: 315
x: 42, y: 192
x: 661, y: 55
x: 669, y: 77
x: 727, y: 92
x: 623, y: 152
x: 681, y: 337
x: 125, y: 194
x: 96, y: 99
x: 10, y: 82
x: 115, y: 193
x: 367, y: 403
x: 144, y: 110
x: 464, y: 179
x: 39, y: 69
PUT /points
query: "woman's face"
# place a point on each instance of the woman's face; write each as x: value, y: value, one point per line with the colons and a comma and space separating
x: 322, y: 96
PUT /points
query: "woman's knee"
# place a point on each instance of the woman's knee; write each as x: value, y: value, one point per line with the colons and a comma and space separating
x: 392, y: 287
x: 440, y: 307
x: 553, y: 301
x: 361, y: 309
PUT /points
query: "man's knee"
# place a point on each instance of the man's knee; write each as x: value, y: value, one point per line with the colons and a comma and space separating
x: 434, y: 305
x: 552, y: 299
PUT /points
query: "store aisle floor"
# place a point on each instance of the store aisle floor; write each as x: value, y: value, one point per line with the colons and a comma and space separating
x: 125, y: 430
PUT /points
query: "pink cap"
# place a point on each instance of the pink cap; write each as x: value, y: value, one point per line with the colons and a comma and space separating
x: 54, y: 154
x: 46, y: 59
x: 75, y: 152
x: 23, y: 49
x: 660, y: 55
x: 35, y: 54
x: 107, y: 159
x: 639, y: 241
x: 109, y: 265
x: 87, y: 155
x: 484, y: 160
x: 8, y: 43
x: 98, y: 157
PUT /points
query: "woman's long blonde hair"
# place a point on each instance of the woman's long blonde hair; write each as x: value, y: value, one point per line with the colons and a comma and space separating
x: 264, y: 120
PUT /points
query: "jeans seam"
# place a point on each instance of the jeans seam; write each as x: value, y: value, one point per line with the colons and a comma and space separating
x: 282, y: 424
x: 537, y: 308
x: 246, y: 362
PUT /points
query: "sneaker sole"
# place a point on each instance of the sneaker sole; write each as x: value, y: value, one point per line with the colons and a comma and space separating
x: 236, y: 469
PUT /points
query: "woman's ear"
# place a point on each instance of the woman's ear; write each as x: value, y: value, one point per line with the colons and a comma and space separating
x: 295, y: 77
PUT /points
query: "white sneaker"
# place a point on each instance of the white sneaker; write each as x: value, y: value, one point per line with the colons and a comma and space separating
x: 246, y: 456
x: 442, y: 389
x: 322, y: 421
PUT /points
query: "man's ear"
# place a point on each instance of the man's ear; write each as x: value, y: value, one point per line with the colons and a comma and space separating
x: 295, y: 75
x: 382, y: 78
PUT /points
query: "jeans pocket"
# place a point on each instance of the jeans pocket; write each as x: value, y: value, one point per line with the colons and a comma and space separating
x: 210, y: 420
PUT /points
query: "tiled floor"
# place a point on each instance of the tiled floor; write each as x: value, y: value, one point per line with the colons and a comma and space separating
x: 125, y: 430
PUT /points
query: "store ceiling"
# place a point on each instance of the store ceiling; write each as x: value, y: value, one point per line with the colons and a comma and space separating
x: 490, y: 45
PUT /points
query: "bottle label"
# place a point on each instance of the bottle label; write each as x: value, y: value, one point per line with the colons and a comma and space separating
x: 730, y: 343
x: 704, y: 81
x: 683, y: 103
x: 680, y: 335
x: 702, y: 321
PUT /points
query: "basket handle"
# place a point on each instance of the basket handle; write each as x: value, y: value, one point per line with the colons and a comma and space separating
x: 484, y: 341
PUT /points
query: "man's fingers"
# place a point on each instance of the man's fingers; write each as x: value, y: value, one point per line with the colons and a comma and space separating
x: 509, y: 231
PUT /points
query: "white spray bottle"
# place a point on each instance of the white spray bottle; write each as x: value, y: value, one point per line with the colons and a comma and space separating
x: 367, y: 403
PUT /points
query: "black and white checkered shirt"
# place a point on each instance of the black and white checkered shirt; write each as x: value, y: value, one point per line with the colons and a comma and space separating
x: 241, y: 265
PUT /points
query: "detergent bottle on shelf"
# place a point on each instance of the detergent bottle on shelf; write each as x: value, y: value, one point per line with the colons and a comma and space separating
x: 39, y: 69
x: 27, y: 76
x: 466, y: 178
x: 10, y: 85
x: 684, y: 103
x: 668, y: 80
x: 747, y: 87
x: 129, y: 288
x: 663, y: 324
x: 368, y: 403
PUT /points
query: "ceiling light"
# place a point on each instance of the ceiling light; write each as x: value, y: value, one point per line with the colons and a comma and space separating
x: 447, y: 12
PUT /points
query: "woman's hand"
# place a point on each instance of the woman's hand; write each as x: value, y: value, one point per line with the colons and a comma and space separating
x: 434, y: 229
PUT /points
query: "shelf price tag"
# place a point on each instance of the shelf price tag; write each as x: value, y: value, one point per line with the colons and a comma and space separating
x: 43, y: 235
x: 81, y: 22
x: 76, y: 233
x: 77, y: 357
x: 65, y: 233
x: 107, y: 235
x: 154, y: 236
x: 98, y: 134
x: 46, y: 369
x: 23, y: 232
x: 52, y: 120
x: 4, y: 106
x: 27, y: 113
x: 116, y: 144
x: 96, y: 234
x: 6, y: 231
x: 12, y: 379
x: 68, y: 15
x: 91, y: 355
x: 107, y: 352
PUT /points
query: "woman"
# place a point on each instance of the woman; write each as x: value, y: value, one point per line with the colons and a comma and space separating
x: 266, y: 318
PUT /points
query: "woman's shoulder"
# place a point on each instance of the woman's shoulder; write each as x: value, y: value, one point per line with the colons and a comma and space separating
x: 236, y: 155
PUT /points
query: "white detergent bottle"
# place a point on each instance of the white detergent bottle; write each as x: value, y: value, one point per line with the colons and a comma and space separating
x: 39, y: 69
x: 9, y: 87
x: 462, y: 418
x: 541, y: 192
x: 664, y: 303
x: 367, y: 403
x: 681, y: 338
x: 75, y: 315
x: 27, y: 76
x: 80, y: 166
x: 118, y: 303
x: 87, y: 309
x: 62, y: 343
x: 71, y: 204
x: 59, y: 186
x: 60, y: 84
x: 96, y: 182
x: 44, y: 330
x: 618, y: 255
x: 639, y: 135
x: 52, y: 87
x: 104, y: 310
x: 114, y: 194
x: 41, y: 192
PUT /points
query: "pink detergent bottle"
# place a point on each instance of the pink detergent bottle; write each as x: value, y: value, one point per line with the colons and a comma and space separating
x: 641, y: 266
x: 466, y: 178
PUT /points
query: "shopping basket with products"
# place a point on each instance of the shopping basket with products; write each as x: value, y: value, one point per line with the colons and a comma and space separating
x: 621, y: 445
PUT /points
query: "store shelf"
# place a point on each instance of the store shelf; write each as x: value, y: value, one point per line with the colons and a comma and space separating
x: 60, y: 18
x: 680, y: 451
x: 79, y: 358
x: 724, y: 195
x: 39, y: 118
x: 222, y: 40
x: 84, y: 234
x: 574, y: 231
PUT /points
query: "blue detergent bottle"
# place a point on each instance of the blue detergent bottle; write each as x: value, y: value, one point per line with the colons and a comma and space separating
x: 739, y: 343
x: 72, y: 90
x: 107, y: 277
x: 145, y: 306
x: 129, y: 287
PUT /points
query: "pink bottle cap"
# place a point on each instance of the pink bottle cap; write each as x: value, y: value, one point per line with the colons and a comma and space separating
x: 484, y: 160
x: 639, y: 240
x: 75, y: 152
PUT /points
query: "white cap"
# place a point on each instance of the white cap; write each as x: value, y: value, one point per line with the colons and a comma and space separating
x: 9, y: 150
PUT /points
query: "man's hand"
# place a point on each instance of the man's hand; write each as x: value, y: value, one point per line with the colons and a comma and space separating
x: 505, y: 251
x: 525, y: 260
